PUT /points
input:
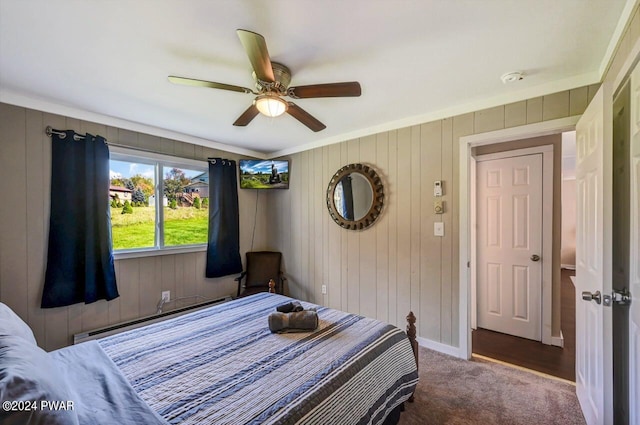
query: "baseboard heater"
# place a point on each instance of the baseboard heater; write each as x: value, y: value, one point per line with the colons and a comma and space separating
x: 147, y: 320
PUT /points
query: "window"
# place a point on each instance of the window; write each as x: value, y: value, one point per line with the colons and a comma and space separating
x: 157, y: 202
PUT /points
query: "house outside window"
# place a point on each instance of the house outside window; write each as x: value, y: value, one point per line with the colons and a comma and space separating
x: 158, y: 202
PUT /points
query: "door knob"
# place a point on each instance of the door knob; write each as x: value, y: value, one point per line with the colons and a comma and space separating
x: 535, y: 257
x: 596, y: 296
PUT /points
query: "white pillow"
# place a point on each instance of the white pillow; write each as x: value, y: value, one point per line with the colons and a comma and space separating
x: 12, y: 324
x: 29, y: 375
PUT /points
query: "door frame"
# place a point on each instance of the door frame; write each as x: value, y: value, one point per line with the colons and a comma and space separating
x: 545, y: 128
x: 547, y: 235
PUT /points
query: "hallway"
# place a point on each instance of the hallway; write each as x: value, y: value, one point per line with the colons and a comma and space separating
x: 555, y: 361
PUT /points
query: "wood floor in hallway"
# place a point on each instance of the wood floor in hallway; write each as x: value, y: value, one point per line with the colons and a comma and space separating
x: 556, y: 361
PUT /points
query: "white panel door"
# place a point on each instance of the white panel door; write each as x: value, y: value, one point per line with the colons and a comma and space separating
x: 509, y: 245
x: 593, y: 339
x: 634, y: 240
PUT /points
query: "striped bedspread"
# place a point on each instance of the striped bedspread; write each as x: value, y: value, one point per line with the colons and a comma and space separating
x: 222, y: 365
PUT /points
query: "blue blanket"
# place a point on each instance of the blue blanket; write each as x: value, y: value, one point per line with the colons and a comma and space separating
x: 222, y: 365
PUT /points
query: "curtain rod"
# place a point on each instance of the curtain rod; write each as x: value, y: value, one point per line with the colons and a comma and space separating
x: 49, y: 131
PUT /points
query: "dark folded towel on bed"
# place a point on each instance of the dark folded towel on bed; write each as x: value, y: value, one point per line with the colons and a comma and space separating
x: 299, y: 321
x: 290, y: 307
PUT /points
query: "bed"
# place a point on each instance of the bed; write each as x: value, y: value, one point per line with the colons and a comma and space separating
x: 219, y: 365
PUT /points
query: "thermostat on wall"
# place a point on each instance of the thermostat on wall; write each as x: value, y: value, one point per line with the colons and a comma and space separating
x: 437, y: 188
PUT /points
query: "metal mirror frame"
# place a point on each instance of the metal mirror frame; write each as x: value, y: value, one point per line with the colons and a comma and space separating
x: 377, y: 200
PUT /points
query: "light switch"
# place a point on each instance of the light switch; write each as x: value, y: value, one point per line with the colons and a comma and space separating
x: 438, y: 228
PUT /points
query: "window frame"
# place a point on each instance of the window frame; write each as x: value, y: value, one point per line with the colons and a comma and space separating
x: 159, y: 162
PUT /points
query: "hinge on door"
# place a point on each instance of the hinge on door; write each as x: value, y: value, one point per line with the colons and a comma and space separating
x: 619, y: 297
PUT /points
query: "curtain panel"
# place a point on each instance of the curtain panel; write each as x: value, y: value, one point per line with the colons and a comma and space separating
x: 347, y: 198
x: 80, y: 257
x: 223, y: 247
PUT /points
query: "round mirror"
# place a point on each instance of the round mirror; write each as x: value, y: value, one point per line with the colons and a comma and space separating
x: 355, y: 196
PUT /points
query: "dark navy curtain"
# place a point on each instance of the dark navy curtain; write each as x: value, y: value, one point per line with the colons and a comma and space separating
x: 223, y: 248
x: 347, y: 197
x: 80, y: 259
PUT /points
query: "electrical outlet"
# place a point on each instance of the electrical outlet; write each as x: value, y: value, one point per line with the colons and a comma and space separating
x: 166, y: 296
x: 324, y: 289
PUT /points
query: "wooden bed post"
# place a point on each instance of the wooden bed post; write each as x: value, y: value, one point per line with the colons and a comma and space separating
x: 411, y: 333
x: 272, y: 286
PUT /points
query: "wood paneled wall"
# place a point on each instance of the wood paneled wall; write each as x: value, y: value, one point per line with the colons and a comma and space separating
x: 393, y: 267
x: 396, y: 265
x: 381, y: 272
x: 25, y: 172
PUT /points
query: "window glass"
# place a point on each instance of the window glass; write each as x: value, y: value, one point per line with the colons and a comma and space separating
x: 186, y: 214
x: 133, y: 212
x: 157, y: 203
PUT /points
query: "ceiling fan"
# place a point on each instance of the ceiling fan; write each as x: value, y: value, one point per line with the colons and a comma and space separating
x: 272, y: 84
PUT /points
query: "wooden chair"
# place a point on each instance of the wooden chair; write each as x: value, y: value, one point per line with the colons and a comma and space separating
x: 261, y: 266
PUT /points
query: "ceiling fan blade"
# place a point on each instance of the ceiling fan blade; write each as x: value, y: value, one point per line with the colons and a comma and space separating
x: 348, y: 89
x: 256, y: 49
x: 201, y: 83
x: 304, y: 117
x: 247, y: 116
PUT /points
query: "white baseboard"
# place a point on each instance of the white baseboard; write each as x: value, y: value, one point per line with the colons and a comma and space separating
x: 558, y: 341
x: 568, y: 266
x: 440, y: 347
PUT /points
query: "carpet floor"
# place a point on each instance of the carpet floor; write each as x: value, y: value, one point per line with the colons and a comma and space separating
x: 455, y: 391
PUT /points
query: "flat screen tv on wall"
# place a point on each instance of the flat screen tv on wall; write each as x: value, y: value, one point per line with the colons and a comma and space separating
x: 264, y: 174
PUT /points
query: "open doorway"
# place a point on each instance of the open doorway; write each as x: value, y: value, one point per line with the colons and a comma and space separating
x: 527, y: 222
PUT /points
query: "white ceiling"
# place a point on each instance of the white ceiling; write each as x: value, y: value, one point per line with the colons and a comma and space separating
x: 416, y: 60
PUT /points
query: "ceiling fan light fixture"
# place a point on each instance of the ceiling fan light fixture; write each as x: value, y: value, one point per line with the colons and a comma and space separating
x: 271, y: 105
